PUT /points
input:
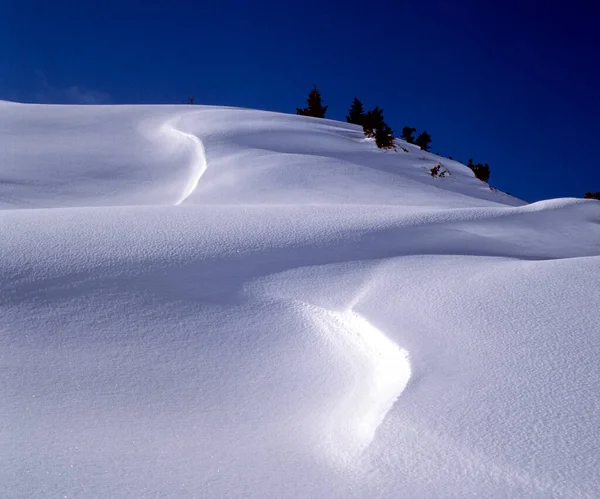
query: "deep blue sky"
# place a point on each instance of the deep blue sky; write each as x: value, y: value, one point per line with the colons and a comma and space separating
x: 514, y: 84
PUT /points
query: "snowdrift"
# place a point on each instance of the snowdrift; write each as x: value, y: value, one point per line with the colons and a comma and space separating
x: 216, y: 302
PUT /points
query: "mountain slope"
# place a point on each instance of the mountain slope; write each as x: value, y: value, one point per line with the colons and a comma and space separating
x: 205, y: 302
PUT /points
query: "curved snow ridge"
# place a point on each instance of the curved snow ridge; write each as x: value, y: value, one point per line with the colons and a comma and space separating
x: 198, y: 164
x: 377, y: 370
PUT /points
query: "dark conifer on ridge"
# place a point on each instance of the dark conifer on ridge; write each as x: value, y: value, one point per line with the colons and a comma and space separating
x: 315, y: 106
x: 356, y: 115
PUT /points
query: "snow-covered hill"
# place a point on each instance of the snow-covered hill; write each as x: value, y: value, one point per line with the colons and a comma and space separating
x: 215, y: 302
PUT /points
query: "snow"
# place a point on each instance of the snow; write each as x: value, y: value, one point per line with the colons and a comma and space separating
x: 214, y: 302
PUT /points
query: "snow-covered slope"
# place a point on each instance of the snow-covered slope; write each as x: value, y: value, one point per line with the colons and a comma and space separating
x: 215, y: 302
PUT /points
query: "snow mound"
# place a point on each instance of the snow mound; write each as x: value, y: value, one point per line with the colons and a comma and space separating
x: 215, y: 302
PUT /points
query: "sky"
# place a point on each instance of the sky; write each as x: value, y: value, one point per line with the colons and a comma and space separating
x: 515, y: 84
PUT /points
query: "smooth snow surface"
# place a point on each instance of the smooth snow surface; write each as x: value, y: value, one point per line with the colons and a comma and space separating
x: 215, y: 302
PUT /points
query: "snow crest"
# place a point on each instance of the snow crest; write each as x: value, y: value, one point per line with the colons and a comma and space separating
x: 198, y: 163
x: 380, y: 370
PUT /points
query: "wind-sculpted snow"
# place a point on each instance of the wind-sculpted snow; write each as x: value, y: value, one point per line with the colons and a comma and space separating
x: 381, y: 370
x: 198, y: 163
x: 214, y: 302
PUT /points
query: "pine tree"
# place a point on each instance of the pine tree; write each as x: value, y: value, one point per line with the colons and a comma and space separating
x: 424, y: 141
x: 315, y: 106
x: 407, y: 134
x: 356, y: 115
x: 375, y: 126
x: 384, y: 137
x: 372, y: 121
x: 482, y: 172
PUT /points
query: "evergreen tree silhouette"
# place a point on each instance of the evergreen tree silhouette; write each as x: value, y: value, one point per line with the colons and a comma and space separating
x: 482, y: 172
x: 372, y: 121
x: 384, y: 137
x: 407, y: 134
x: 315, y: 106
x: 375, y: 126
x: 356, y: 114
x: 424, y: 141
